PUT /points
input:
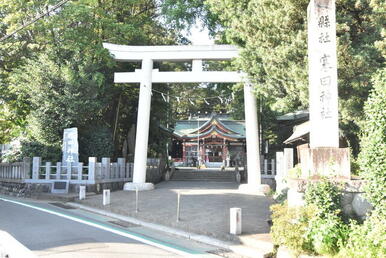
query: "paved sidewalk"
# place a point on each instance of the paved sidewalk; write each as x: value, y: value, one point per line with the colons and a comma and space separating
x: 204, y: 207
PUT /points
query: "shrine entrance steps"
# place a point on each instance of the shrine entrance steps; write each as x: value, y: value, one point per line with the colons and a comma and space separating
x: 215, y: 175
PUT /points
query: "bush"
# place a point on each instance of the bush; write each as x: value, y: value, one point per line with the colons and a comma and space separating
x: 290, y: 226
x: 372, y: 158
x: 325, y: 195
x: 327, y: 234
x: 31, y: 148
x: 367, y: 240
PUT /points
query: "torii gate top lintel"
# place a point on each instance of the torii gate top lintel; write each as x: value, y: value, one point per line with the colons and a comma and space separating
x: 193, y: 53
x: 172, y: 52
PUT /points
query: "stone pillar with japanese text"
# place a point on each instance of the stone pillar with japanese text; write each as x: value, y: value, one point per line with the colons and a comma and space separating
x: 70, y: 146
x: 324, y: 157
x: 323, y: 87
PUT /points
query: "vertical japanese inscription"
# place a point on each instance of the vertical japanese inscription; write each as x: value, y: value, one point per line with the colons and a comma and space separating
x: 322, y: 13
x: 70, y: 145
x: 323, y: 74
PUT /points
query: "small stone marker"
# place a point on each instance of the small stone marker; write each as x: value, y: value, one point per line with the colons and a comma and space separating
x: 106, y: 196
x: 82, y: 192
x: 235, y: 221
x: 136, y: 200
x: 178, y: 206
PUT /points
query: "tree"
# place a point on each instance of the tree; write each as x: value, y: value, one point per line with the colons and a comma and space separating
x: 372, y: 157
x: 57, y: 74
x: 272, y: 36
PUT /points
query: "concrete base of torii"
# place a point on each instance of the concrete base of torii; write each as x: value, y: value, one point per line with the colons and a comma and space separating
x: 140, y: 186
x: 259, y: 189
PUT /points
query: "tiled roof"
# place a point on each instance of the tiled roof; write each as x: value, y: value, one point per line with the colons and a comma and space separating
x: 226, y: 127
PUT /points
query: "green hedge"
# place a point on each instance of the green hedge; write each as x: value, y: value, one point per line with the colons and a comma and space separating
x: 372, y: 158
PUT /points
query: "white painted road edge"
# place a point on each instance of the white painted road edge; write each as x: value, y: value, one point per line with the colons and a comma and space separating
x: 92, y: 224
x: 10, y: 247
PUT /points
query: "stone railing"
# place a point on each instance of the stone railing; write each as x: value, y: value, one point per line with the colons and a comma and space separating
x: 14, y: 172
x: 78, y: 173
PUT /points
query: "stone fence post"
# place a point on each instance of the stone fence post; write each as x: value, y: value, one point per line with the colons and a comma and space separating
x: 288, y: 160
x: 106, y: 168
x: 26, y: 168
x: 121, y: 167
x: 36, y: 163
x: 280, y: 180
x: 48, y: 170
x: 58, y: 170
x: 91, y: 168
x: 80, y: 171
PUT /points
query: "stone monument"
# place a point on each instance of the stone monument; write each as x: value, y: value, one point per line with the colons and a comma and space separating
x: 324, y: 157
x: 70, y: 145
x: 322, y: 71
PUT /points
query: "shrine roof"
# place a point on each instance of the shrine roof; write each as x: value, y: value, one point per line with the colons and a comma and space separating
x: 205, y: 126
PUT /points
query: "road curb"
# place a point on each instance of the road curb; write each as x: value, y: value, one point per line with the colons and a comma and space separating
x: 177, y: 232
x: 239, y: 249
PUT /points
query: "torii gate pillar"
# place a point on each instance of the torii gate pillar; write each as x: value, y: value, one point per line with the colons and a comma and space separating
x: 142, y: 136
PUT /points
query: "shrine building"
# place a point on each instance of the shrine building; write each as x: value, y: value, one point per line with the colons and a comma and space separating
x: 220, y: 141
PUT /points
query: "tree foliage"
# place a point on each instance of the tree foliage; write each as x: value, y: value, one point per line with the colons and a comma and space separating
x: 56, y: 73
x: 272, y: 36
x: 372, y: 157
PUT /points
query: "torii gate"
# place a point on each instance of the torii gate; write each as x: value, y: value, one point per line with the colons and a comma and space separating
x: 147, y: 75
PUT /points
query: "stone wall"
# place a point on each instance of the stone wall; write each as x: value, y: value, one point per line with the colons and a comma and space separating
x: 354, y: 204
x: 23, y: 189
x: 29, y: 190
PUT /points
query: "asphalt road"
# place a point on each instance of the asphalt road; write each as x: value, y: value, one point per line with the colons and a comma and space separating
x: 51, y: 231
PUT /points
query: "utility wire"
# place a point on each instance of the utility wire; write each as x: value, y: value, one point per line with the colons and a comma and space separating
x: 34, y: 20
